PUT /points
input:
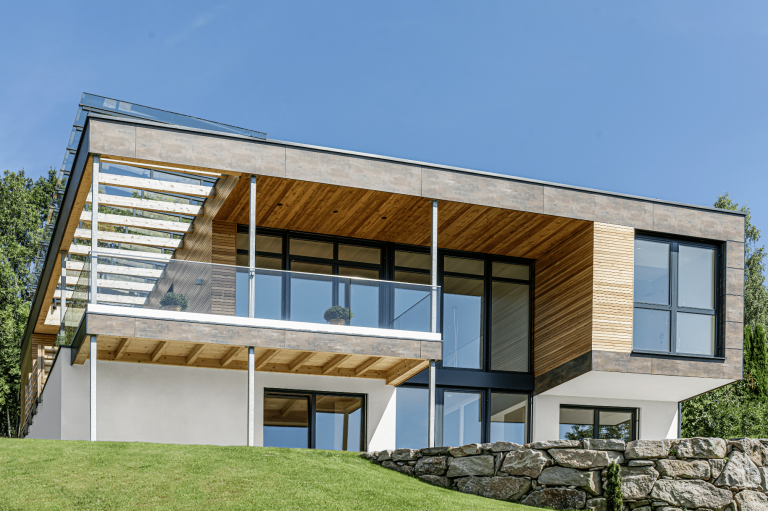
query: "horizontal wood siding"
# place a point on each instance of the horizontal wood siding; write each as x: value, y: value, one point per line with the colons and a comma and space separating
x: 613, y: 288
x: 563, y: 302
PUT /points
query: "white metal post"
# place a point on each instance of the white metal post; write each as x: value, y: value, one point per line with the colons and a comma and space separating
x: 251, y: 397
x: 94, y: 229
x: 431, y: 435
x: 252, y: 251
x: 94, y: 357
x: 433, y: 281
x: 63, y: 301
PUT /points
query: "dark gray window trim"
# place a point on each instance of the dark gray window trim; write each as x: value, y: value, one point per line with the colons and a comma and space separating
x: 634, y: 432
x: 673, y: 308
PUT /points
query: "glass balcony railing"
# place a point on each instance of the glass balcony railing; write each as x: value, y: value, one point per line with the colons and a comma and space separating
x: 203, y: 288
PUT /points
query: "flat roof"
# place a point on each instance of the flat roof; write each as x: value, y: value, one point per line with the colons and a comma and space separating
x: 125, y: 120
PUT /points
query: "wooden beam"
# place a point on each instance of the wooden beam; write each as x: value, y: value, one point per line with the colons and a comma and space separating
x: 266, y: 357
x: 300, y: 361
x: 335, y: 362
x: 161, y: 347
x: 194, y: 354
x: 291, y: 405
x: 135, y: 239
x: 405, y: 370
x: 139, y: 222
x: 85, y: 249
x: 184, y: 169
x: 156, y: 185
x: 230, y: 356
x: 173, y: 208
x: 362, y: 368
x: 121, y: 348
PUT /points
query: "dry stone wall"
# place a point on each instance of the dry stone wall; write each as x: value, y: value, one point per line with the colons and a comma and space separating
x: 657, y: 475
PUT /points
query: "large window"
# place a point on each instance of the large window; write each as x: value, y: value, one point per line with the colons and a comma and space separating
x: 314, y: 420
x: 675, y: 294
x: 579, y: 422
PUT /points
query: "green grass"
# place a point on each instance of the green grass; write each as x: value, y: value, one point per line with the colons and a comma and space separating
x: 47, y: 474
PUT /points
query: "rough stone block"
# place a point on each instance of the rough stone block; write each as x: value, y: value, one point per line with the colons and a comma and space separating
x: 581, y: 458
x: 754, y: 449
x: 404, y: 469
x: 500, y: 488
x: 751, y: 501
x: 604, y: 444
x: 690, y: 494
x: 763, y: 482
x: 717, y: 467
x: 384, y: 455
x: 504, y: 446
x: 641, y: 463
x: 465, y: 450
x: 435, y: 451
x: 556, y: 498
x: 561, y: 476
x: 441, y: 481
x: 527, y: 462
x: 698, y: 469
x: 739, y: 473
x: 699, y: 447
x: 404, y: 454
x: 637, y: 482
x: 597, y: 504
x: 553, y: 444
x: 643, y: 449
x: 431, y: 465
x: 471, y: 466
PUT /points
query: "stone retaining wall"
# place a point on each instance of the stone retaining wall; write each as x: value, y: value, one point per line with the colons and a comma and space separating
x: 657, y: 475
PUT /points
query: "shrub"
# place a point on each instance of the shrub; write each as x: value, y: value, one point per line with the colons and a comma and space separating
x: 174, y: 299
x: 613, y: 497
x: 338, y: 312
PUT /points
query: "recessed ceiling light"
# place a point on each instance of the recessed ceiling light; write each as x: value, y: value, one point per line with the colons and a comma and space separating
x: 335, y: 211
x: 383, y: 218
x: 279, y: 203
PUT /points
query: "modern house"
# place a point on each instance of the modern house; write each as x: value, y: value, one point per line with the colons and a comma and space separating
x: 206, y: 284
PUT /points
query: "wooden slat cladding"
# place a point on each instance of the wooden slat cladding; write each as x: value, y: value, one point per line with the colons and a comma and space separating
x: 357, y: 213
x: 563, y: 302
x: 224, y: 252
x: 613, y: 277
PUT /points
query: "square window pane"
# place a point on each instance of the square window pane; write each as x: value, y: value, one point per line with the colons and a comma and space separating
x: 311, y: 295
x: 412, y: 278
x: 511, y: 271
x: 338, y: 422
x: 576, y: 423
x: 462, y: 418
x: 695, y: 334
x: 509, y: 326
x: 286, y: 421
x: 615, y: 425
x: 508, y: 417
x: 651, y: 272
x: 360, y: 254
x: 696, y: 277
x: 650, y: 330
x: 412, y: 420
x: 361, y: 296
x: 312, y: 249
x: 463, y: 322
x: 461, y: 265
x: 412, y: 304
x: 420, y: 261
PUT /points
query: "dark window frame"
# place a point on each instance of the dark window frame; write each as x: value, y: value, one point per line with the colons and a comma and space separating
x: 672, y: 307
x: 635, y: 423
x: 312, y: 422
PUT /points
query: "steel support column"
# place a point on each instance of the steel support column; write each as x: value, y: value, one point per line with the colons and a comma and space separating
x: 252, y: 250
x: 63, y: 301
x: 431, y: 435
x: 94, y: 230
x: 251, y: 397
x: 435, y: 304
x: 94, y: 357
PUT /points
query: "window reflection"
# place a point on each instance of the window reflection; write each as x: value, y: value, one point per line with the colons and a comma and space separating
x: 286, y: 421
x: 576, y: 423
x: 462, y: 418
x: 695, y: 334
x: 615, y: 425
x: 462, y: 322
x: 509, y: 327
x: 696, y: 277
x: 651, y: 272
x: 412, y: 418
x: 338, y: 422
x: 650, y: 330
x: 508, y: 417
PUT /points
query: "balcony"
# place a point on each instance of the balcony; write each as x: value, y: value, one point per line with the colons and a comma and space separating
x: 175, y: 312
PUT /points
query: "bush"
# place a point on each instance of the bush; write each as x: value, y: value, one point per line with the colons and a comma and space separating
x: 338, y: 312
x: 174, y: 299
x: 613, y: 497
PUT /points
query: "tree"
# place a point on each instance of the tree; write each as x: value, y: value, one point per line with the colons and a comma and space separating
x: 24, y: 205
x: 741, y: 408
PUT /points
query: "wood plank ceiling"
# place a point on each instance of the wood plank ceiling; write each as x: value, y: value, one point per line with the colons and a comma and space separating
x: 356, y: 213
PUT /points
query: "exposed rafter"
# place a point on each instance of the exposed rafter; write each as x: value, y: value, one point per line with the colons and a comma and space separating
x: 156, y: 185
x: 173, y: 208
x: 139, y: 222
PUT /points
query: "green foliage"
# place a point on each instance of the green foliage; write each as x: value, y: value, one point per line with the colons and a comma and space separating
x: 338, y: 312
x: 613, y: 497
x: 57, y: 474
x: 728, y: 412
x: 24, y: 206
x: 174, y: 299
x: 756, y: 362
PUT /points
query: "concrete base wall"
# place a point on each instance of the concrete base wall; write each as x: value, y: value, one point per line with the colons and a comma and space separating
x: 184, y: 405
x: 658, y: 419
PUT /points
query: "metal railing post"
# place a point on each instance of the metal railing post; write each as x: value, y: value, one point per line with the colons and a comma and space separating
x: 252, y: 250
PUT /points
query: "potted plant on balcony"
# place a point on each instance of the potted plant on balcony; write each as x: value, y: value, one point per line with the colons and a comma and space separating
x: 174, y: 302
x: 337, y: 315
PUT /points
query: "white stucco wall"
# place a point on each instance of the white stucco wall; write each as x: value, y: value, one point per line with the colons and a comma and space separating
x: 658, y: 419
x: 46, y: 424
x: 186, y: 405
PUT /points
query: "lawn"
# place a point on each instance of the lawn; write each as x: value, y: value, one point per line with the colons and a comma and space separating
x: 48, y: 474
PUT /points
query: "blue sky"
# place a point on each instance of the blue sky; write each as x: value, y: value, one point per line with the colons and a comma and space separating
x: 660, y: 99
